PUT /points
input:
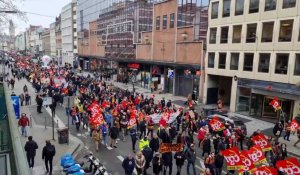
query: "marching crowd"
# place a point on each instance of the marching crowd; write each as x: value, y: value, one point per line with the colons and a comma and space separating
x: 128, y: 116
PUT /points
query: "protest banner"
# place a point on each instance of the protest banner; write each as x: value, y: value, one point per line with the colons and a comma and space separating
x: 216, y: 124
x: 169, y: 147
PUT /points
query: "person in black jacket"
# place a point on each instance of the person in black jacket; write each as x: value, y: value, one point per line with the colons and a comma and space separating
x: 179, y: 157
x: 148, y: 154
x: 167, y: 158
x: 128, y: 164
x: 30, y: 148
x: 219, y: 161
x: 190, y: 155
x: 154, y: 143
x: 48, y: 154
x: 113, y: 135
x: 157, y: 163
x: 142, y: 128
x: 206, y: 146
x: 133, y: 135
x: 39, y: 101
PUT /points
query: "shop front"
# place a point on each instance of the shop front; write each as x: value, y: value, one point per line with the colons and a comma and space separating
x: 187, y: 82
x: 254, y: 98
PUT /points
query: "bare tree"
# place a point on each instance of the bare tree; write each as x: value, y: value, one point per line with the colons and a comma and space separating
x: 7, y: 7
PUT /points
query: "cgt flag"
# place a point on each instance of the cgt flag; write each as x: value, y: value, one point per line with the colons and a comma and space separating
x: 289, y: 166
x: 248, y: 163
x: 233, y: 159
x: 265, y: 170
x: 216, y: 124
x: 16, y: 104
x: 262, y: 141
x: 275, y: 104
x: 257, y: 155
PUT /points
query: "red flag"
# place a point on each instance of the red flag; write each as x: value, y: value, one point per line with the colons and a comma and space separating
x: 265, y: 170
x: 216, y: 124
x: 257, y: 155
x: 233, y: 159
x: 248, y: 163
x: 294, y: 125
x: 132, y: 122
x: 262, y: 141
x: 163, y: 122
x: 275, y: 104
x: 290, y: 166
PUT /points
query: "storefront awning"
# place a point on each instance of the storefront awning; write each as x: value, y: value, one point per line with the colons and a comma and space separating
x: 270, y: 86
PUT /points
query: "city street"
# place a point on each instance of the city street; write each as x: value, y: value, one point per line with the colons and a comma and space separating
x: 111, y: 158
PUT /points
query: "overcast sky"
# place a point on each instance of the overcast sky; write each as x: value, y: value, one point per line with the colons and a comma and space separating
x: 43, y: 7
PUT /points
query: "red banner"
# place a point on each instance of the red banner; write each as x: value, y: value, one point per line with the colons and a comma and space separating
x: 216, y: 124
x: 96, y: 111
x: 275, y: 104
x: 257, y: 155
x: 265, y: 170
x: 233, y: 159
x: 290, y: 166
x: 262, y: 141
x: 248, y: 163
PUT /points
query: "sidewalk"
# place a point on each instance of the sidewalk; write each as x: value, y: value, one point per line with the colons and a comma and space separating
x: 40, y: 134
x: 251, y: 123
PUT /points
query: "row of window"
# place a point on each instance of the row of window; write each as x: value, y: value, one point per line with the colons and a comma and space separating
x: 165, y: 21
x: 285, y: 32
x: 281, y: 67
x: 253, y: 7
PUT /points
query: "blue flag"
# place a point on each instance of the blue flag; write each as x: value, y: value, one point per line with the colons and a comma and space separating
x: 16, y: 103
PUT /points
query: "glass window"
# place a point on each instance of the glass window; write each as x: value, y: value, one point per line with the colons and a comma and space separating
x: 213, y: 36
x: 165, y: 21
x: 214, y: 10
x: 270, y: 5
x: 254, y: 6
x: 288, y: 4
x: 211, y: 60
x: 251, y: 33
x: 226, y: 8
x: 224, y: 34
x: 172, y: 20
x: 222, y: 60
x: 264, y: 62
x: 248, y: 61
x: 237, y: 34
x: 282, y: 61
x: 239, y: 7
x: 234, y: 61
x: 158, y: 23
x: 267, y: 32
x: 297, y: 65
x: 286, y: 30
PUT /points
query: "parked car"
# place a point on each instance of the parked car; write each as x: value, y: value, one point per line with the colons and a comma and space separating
x: 233, y: 120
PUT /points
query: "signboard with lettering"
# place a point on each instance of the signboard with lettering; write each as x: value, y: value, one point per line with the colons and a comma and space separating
x: 169, y: 147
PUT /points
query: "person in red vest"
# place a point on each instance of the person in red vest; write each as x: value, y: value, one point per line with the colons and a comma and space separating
x: 24, y: 122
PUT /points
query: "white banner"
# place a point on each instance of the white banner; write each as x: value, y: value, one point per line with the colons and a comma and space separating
x: 156, y: 117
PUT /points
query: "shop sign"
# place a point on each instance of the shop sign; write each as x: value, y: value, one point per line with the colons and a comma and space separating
x: 133, y: 65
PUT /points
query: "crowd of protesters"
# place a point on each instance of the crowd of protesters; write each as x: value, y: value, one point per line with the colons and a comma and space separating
x: 190, y: 128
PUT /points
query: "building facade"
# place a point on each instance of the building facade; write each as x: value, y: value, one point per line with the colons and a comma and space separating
x: 253, y: 56
x: 58, y: 39
x: 52, y: 40
x: 142, y: 41
x: 46, y: 42
x: 20, y: 42
x: 69, y: 32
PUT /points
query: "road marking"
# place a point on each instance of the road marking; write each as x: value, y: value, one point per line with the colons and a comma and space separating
x: 109, y: 148
x: 56, y: 118
x: 121, y: 159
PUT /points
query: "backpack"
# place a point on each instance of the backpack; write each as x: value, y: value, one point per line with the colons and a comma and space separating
x: 51, y: 150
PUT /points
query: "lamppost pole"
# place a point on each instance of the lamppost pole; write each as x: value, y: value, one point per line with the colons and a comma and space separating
x: 68, y: 113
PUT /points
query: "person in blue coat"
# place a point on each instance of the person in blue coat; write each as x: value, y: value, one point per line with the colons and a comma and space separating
x: 128, y: 164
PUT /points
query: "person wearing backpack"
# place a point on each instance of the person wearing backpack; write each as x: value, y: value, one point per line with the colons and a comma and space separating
x: 47, y: 155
